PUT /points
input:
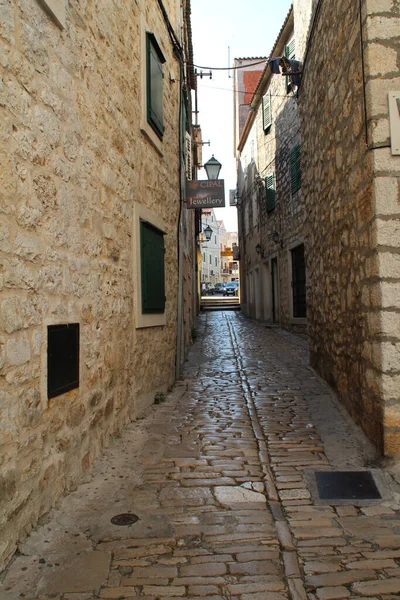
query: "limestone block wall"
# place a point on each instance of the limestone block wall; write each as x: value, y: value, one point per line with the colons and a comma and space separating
x: 351, y: 196
x: 73, y: 161
x: 381, y: 23
x: 304, y: 12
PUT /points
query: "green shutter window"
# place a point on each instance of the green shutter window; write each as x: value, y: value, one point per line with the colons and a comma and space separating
x: 290, y: 49
x: 290, y: 52
x: 152, y: 268
x: 295, y: 168
x: 267, y: 112
x: 183, y: 123
x: 270, y: 192
x: 155, y: 60
x: 299, y: 283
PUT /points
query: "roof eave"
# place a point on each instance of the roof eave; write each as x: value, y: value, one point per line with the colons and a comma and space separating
x: 265, y: 77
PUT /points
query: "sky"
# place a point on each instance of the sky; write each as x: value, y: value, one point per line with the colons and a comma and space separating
x: 249, y: 28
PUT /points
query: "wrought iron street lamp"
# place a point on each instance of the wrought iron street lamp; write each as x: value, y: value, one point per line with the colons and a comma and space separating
x: 276, y: 237
x: 207, y: 233
x: 212, y: 167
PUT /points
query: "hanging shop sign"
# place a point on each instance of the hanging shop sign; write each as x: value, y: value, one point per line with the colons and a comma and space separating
x: 209, y: 193
x: 227, y: 252
x: 233, y: 197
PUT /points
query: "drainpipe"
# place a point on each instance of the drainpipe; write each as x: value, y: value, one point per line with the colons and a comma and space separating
x: 179, y: 324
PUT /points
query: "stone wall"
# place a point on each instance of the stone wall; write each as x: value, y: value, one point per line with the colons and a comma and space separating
x: 344, y: 181
x: 381, y: 21
x: 73, y: 160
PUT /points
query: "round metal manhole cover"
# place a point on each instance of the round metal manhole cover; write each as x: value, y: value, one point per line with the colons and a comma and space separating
x: 124, y: 519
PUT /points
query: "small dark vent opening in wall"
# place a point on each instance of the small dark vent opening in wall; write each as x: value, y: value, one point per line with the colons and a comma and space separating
x: 62, y: 359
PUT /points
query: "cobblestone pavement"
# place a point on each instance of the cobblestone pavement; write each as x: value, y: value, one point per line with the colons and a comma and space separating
x: 220, y: 476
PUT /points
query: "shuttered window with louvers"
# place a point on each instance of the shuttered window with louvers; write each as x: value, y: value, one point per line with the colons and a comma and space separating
x: 270, y: 192
x: 295, y: 168
x: 267, y: 112
x: 290, y: 52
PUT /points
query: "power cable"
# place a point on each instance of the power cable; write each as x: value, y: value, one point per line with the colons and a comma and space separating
x: 171, y: 32
x: 240, y: 92
x: 260, y: 62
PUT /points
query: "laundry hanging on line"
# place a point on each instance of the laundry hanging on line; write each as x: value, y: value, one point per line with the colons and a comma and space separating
x: 290, y: 66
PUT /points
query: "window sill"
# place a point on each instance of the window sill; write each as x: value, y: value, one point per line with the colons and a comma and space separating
x: 298, y: 321
x: 150, y: 320
x: 152, y: 137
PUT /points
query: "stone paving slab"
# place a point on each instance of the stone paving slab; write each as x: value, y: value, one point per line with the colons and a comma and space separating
x: 217, y: 476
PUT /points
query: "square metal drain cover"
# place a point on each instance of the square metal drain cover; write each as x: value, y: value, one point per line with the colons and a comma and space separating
x: 347, y: 485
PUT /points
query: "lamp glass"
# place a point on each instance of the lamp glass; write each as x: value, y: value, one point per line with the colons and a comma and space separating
x: 212, y: 168
x: 207, y: 233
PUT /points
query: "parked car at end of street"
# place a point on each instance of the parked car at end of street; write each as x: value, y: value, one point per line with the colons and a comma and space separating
x: 231, y: 288
x: 209, y: 291
x: 219, y: 288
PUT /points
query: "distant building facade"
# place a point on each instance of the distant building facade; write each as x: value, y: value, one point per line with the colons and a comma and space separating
x: 270, y: 204
x: 246, y: 76
x: 211, y: 257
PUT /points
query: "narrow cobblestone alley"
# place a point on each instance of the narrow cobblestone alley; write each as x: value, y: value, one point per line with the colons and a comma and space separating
x: 220, y: 476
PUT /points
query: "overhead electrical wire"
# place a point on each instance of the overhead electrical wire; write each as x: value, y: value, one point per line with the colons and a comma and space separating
x: 171, y: 32
x: 260, y: 62
x: 242, y: 92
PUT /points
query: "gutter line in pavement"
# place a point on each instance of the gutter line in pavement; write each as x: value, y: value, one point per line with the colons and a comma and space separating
x: 288, y: 549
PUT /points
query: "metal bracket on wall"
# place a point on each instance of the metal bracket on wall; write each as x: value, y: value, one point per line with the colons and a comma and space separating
x: 394, y: 121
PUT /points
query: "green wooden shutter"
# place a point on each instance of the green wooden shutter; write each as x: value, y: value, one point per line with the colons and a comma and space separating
x: 299, y: 282
x: 155, y: 60
x: 183, y: 124
x: 270, y: 192
x: 295, y: 168
x: 290, y: 52
x: 152, y: 268
x: 290, y: 49
x: 267, y: 112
